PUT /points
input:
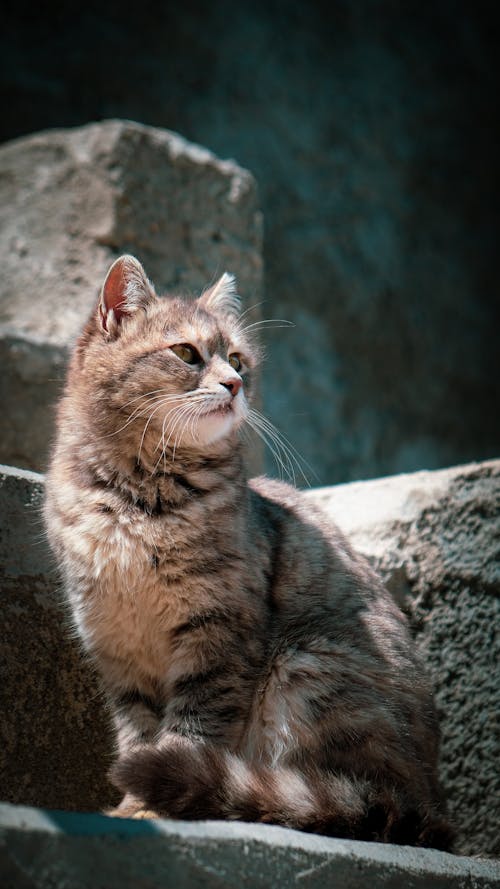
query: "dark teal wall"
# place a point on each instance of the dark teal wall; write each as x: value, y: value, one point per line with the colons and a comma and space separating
x: 373, y: 131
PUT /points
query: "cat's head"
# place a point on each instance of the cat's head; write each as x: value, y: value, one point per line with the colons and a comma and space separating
x: 172, y: 372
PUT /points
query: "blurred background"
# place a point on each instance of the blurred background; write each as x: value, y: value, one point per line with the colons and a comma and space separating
x: 373, y: 132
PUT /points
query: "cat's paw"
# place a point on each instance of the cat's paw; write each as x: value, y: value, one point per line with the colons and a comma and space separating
x: 145, y: 814
x: 131, y: 807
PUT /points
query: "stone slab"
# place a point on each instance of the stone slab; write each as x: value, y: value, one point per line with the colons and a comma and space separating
x: 46, y: 849
x: 70, y: 202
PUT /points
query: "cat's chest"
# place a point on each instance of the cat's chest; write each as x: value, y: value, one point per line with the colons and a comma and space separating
x: 130, y: 600
x: 121, y: 550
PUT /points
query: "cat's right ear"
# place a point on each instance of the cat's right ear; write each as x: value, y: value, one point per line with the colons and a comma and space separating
x: 125, y: 290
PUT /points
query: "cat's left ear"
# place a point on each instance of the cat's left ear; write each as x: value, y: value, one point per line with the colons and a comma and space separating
x: 125, y: 290
x: 222, y: 298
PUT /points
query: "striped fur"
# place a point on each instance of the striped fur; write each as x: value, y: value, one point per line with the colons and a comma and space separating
x: 255, y: 665
x: 187, y: 779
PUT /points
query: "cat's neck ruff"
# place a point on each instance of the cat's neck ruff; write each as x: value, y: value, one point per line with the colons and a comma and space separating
x: 154, y: 486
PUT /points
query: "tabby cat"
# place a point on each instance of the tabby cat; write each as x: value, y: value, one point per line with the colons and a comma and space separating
x: 255, y: 665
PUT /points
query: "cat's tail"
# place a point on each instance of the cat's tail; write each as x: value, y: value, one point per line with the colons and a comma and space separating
x: 183, y: 779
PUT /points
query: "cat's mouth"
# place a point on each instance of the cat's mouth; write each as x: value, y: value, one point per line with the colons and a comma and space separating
x: 222, y: 409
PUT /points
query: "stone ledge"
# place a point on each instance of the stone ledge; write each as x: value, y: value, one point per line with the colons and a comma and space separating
x: 41, y: 849
x: 377, y: 514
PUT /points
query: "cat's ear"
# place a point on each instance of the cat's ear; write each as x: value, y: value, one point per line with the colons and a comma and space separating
x: 222, y: 298
x: 125, y: 290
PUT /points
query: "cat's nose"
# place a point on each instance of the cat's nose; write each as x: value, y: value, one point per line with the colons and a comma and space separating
x: 233, y: 385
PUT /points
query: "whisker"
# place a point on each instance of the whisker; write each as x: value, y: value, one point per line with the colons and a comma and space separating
x: 270, y: 440
x: 288, y: 453
x: 158, y: 400
x: 157, y: 408
x: 142, y: 410
x: 275, y: 322
x: 286, y: 450
x: 144, y: 395
x: 287, y: 473
x: 178, y: 426
x: 250, y: 309
x: 189, y: 418
x: 176, y: 418
x: 171, y: 417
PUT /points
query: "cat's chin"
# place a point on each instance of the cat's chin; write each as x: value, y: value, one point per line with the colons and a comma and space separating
x: 215, y: 427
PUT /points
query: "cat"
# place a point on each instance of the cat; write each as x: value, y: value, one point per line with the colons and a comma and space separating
x: 256, y: 667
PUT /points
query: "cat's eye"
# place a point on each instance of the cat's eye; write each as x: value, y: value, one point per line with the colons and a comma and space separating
x: 235, y: 362
x: 188, y: 353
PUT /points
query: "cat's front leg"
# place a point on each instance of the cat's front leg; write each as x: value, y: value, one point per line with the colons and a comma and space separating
x: 208, y: 687
x: 211, y: 683
x: 137, y: 718
x: 209, y: 705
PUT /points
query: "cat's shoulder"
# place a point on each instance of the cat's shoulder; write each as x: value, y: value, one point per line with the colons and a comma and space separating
x: 280, y: 497
x: 274, y: 490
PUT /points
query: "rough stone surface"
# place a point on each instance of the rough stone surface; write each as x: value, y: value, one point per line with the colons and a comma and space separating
x: 70, y: 202
x: 55, y: 850
x: 434, y: 536
x: 55, y: 739
x: 372, y: 129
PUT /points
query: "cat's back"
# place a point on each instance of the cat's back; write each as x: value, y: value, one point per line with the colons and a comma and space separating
x: 308, y: 540
x: 322, y: 589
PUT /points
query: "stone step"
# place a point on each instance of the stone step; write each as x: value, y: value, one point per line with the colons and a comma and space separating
x: 41, y: 849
